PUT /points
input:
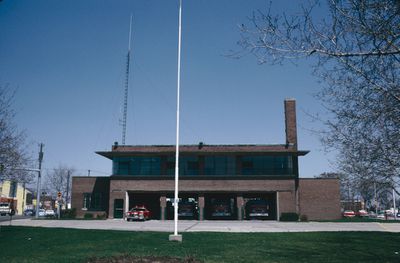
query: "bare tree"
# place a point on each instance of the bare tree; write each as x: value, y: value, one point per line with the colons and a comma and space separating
x: 355, y: 51
x: 57, y: 181
x: 13, y: 154
x: 353, y: 188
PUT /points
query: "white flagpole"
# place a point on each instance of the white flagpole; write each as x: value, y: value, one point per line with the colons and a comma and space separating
x: 177, y: 237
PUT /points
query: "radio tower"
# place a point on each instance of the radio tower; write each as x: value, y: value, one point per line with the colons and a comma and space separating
x: 128, y: 58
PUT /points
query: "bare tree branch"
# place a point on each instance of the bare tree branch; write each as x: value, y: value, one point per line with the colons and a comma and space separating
x: 355, y: 48
x: 12, y: 142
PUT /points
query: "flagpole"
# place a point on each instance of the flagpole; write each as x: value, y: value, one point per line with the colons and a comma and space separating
x: 175, y: 236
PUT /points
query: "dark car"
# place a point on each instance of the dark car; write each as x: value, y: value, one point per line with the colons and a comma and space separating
x: 138, y: 213
x: 257, y: 209
x: 221, y: 208
x: 29, y: 212
x: 187, y: 209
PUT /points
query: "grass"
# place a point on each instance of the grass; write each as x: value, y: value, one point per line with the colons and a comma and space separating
x: 29, y: 244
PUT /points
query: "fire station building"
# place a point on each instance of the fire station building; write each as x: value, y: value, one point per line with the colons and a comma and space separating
x: 210, y: 176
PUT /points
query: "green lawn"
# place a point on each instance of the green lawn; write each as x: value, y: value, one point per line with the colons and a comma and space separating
x: 28, y: 244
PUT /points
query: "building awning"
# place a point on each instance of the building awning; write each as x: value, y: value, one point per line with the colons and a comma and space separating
x: 132, y: 150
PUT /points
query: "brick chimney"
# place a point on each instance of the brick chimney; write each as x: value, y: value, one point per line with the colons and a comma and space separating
x: 290, y: 122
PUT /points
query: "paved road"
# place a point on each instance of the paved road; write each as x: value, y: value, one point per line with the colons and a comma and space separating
x: 15, y: 217
x: 209, y: 226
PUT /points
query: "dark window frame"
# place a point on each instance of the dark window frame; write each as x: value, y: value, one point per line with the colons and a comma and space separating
x: 93, y: 201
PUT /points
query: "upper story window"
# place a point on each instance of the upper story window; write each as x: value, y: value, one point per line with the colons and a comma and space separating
x: 188, y: 165
x: 207, y: 165
x: 146, y: 165
x: 266, y: 165
x: 219, y: 165
x: 140, y: 165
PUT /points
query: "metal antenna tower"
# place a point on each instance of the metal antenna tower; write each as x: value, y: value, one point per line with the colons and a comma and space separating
x: 128, y: 58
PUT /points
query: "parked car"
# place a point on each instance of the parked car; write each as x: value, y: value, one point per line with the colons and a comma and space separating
x: 258, y: 209
x: 349, y: 213
x: 29, y: 212
x: 381, y: 215
x: 372, y: 214
x: 42, y: 213
x: 49, y: 213
x: 187, y: 209
x: 138, y: 213
x: 362, y: 213
x: 221, y: 208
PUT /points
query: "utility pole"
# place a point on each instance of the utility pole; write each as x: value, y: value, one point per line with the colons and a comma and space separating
x: 394, y: 205
x: 38, y: 181
x: 376, y: 200
x: 67, y: 197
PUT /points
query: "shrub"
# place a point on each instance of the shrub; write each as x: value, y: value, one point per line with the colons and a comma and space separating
x: 289, y: 217
x: 101, y: 216
x: 69, y: 213
x: 303, y: 218
x: 88, y: 216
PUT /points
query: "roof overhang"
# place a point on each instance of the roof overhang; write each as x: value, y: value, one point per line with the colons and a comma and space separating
x: 128, y: 151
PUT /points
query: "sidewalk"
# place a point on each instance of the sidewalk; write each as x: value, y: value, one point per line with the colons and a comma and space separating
x: 208, y: 226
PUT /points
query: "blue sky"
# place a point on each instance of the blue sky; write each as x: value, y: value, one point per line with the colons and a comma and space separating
x: 67, y: 61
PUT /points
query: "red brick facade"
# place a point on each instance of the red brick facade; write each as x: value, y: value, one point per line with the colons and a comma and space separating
x: 319, y: 198
x: 290, y: 122
x: 315, y: 198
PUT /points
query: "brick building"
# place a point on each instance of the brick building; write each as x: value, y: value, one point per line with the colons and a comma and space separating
x: 211, y: 177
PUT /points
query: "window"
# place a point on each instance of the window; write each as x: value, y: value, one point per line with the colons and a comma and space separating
x: 170, y: 166
x: 189, y: 165
x: 86, y: 201
x: 13, y: 189
x: 267, y: 165
x: 92, y: 201
x: 146, y: 166
x: 140, y: 165
x: 123, y: 168
x: 220, y: 165
x: 208, y: 165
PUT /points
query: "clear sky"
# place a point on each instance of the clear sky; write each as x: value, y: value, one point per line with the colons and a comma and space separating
x: 67, y: 61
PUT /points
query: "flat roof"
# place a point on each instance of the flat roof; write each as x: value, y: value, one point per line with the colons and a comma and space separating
x: 129, y: 150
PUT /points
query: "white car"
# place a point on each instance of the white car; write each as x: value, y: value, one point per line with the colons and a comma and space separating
x: 42, y: 213
x: 49, y: 213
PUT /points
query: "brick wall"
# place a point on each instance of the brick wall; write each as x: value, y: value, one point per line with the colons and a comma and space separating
x: 203, y: 185
x: 287, y: 202
x: 81, y: 185
x: 290, y: 121
x: 320, y: 199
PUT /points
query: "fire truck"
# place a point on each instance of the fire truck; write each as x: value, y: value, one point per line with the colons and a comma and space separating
x: 7, y: 206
